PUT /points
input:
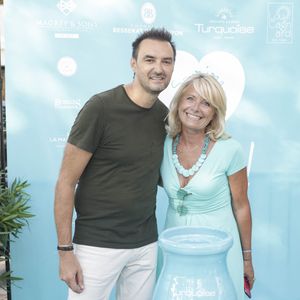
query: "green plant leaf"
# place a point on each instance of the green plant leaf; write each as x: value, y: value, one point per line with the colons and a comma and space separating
x: 14, y: 215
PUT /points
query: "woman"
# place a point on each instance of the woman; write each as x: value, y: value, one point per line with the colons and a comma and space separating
x: 204, y: 173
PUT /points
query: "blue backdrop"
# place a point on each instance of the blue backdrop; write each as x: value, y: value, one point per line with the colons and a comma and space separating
x: 59, y: 53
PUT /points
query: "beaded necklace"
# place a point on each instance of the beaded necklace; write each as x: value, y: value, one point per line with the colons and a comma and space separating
x: 196, y: 166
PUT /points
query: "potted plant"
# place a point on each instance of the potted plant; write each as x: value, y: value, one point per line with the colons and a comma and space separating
x: 14, y: 214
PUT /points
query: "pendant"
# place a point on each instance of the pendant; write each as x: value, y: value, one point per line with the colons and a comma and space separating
x: 182, y: 210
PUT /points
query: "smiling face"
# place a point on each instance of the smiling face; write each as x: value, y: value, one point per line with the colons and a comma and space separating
x: 194, y: 112
x: 153, y: 66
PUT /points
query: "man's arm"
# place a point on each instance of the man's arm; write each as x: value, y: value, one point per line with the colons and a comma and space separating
x: 73, y: 164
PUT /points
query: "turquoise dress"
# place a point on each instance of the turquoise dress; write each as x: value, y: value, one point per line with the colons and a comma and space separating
x: 208, y: 199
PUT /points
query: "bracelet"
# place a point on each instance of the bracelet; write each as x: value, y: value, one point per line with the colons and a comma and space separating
x: 247, y: 251
x: 65, y: 247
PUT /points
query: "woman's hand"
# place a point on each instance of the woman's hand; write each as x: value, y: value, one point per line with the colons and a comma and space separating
x: 249, y: 272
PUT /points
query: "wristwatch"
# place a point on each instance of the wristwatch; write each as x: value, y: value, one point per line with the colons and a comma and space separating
x: 65, y: 248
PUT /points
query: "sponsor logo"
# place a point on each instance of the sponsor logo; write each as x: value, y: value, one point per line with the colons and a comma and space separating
x: 186, y: 287
x: 67, y: 103
x: 62, y: 25
x: 140, y: 29
x: 67, y: 66
x: 66, y: 35
x: 66, y: 28
x: 57, y: 141
x: 224, y: 26
x: 224, y: 14
x: 280, y: 23
x: 148, y: 13
x: 129, y: 30
x: 66, y: 7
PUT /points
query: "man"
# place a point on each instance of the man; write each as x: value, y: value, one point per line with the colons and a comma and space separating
x: 114, y: 153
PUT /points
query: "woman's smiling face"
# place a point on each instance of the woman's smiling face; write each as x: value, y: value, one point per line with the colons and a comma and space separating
x: 194, y: 112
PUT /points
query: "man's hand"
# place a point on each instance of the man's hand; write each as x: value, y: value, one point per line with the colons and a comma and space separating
x: 70, y: 271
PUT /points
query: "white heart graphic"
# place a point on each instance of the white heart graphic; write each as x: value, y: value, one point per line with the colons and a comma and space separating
x: 223, y: 65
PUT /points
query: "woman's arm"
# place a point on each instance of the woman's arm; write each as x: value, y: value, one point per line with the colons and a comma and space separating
x: 238, y: 183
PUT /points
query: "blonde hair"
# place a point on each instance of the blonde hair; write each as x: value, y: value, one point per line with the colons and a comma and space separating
x: 211, y: 90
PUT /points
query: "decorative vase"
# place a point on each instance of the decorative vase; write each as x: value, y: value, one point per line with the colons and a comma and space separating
x: 194, y: 265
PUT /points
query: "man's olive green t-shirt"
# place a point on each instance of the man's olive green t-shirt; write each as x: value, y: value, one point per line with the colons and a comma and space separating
x: 115, y: 198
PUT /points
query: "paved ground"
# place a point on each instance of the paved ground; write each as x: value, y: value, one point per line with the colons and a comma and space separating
x: 3, y: 295
x: 2, y: 292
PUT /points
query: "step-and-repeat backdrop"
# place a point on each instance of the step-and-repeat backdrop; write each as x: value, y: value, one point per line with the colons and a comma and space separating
x: 60, y: 52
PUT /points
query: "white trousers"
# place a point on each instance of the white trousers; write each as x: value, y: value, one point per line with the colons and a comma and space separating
x: 132, y: 270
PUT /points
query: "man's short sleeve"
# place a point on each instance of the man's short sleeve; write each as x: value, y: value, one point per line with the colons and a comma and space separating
x: 87, y: 130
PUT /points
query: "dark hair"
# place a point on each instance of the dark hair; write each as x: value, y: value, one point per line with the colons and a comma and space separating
x: 160, y: 34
